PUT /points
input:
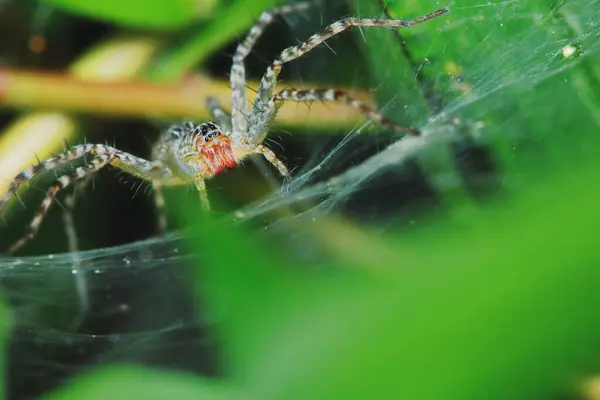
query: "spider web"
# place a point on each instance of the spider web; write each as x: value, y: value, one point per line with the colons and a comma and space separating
x: 55, y: 296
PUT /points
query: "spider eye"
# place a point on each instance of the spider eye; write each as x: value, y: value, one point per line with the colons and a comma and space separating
x: 204, y: 129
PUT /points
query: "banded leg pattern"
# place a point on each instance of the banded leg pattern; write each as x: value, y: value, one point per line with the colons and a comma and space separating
x: 272, y: 158
x: 125, y: 161
x: 341, y: 96
x: 101, y: 155
x: 238, y: 73
x: 25, y: 176
x: 264, y: 100
x: 98, y: 162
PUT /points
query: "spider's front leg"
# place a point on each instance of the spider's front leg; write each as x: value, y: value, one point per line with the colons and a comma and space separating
x: 239, y: 103
x: 161, y: 176
x: 169, y: 169
x: 201, y: 187
x: 264, y: 104
x: 218, y: 113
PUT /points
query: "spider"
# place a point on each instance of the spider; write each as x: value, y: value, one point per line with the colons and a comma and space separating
x: 190, y: 153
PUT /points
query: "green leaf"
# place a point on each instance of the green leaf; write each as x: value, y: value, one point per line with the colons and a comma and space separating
x: 401, y: 97
x: 239, y: 15
x: 133, y: 382
x: 162, y: 14
x: 502, y: 306
x: 490, y: 63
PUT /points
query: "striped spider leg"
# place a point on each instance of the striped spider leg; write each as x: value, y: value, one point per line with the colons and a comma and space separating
x: 266, y: 104
x: 99, y: 156
x: 189, y: 153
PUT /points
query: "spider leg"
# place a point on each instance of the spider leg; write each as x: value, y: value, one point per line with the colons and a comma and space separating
x: 68, y: 220
x: 264, y: 107
x: 239, y: 102
x: 63, y: 181
x: 341, y: 96
x: 102, y: 155
x: 127, y: 162
x: 162, y: 175
x: 272, y: 158
x: 25, y: 176
x: 218, y: 113
x: 73, y: 243
x: 159, y: 202
x: 223, y: 118
x: 158, y: 171
x: 201, y: 186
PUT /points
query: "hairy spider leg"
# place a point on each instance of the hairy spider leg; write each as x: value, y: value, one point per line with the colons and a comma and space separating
x: 343, y: 97
x: 68, y: 220
x: 201, y: 187
x: 239, y: 103
x: 218, y: 113
x: 102, y: 155
x: 264, y: 106
x: 167, y: 161
x: 159, y: 203
x: 272, y: 158
x: 158, y: 182
x: 127, y: 162
x: 25, y: 176
x: 63, y: 181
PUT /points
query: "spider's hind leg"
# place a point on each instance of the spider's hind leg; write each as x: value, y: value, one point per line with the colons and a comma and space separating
x: 25, y: 176
x: 63, y: 181
x: 343, y: 97
x: 101, y: 155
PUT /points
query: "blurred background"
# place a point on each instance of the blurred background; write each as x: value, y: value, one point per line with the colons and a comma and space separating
x: 458, y: 264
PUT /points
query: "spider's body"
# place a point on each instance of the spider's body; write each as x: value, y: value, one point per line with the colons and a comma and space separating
x: 193, y: 152
x: 190, y: 153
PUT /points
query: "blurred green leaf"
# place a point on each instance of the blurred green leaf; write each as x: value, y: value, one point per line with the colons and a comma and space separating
x: 489, y: 62
x: 239, y: 16
x: 133, y: 382
x: 503, y: 308
x: 163, y: 14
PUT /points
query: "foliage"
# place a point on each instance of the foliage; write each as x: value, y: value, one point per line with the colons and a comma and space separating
x: 492, y: 299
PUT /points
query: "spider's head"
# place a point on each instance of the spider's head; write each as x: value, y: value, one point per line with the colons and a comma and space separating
x: 215, y: 147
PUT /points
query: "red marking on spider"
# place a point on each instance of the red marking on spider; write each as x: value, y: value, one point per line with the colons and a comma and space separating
x: 218, y: 154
